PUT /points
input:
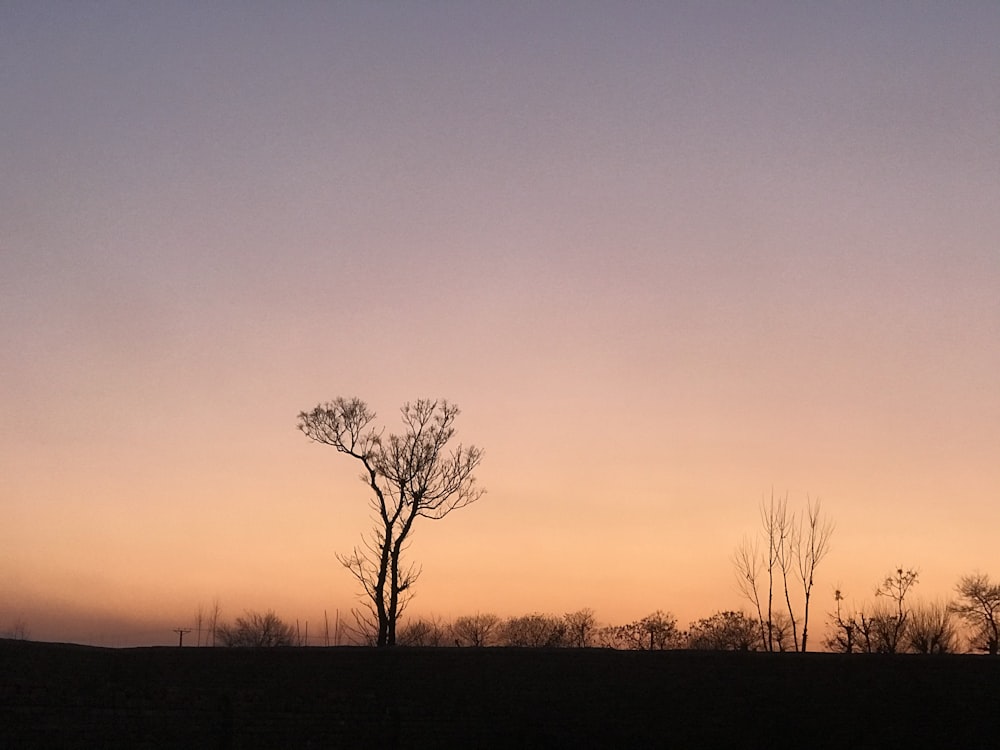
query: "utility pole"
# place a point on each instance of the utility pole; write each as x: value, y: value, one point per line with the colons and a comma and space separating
x: 180, y: 632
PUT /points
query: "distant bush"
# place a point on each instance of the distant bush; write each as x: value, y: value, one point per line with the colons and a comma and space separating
x: 533, y: 631
x: 256, y: 630
x: 932, y: 630
x: 654, y: 632
x: 475, y: 630
x: 725, y: 631
x: 424, y: 631
x: 18, y: 631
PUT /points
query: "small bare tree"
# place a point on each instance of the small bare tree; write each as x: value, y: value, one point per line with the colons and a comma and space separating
x: 931, y: 630
x: 18, y: 631
x: 199, y: 620
x: 475, y: 630
x: 533, y: 631
x: 795, y: 546
x: 580, y: 628
x: 811, y: 545
x: 782, y: 632
x: 842, y: 639
x: 424, y: 631
x: 882, y: 628
x: 979, y: 606
x: 890, y: 626
x: 724, y: 631
x: 654, y: 632
x: 411, y: 476
x: 257, y: 629
x: 213, y: 617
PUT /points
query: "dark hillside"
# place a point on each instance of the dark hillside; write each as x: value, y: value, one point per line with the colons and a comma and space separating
x: 54, y: 695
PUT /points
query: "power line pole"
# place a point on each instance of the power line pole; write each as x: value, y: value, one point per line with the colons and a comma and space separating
x: 180, y: 632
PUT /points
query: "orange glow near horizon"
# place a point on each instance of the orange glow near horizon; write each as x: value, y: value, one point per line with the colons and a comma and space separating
x: 730, y: 253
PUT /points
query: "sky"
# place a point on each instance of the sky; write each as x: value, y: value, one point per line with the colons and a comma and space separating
x: 666, y: 257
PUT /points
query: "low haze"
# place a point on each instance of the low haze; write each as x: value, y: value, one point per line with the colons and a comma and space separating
x: 666, y: 257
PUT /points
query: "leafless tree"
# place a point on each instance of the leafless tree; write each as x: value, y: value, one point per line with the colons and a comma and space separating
x: 931, y: 630
x: 213, y: 617
x: 18, y: 631
x: 890, y: 626
x: 411, y: 476
x: 424, y: 631
x: 580, y: 628
x: 884, y: 631
x: 748, y: 565
x: 533, y: 631
x: 842, y: 639
x: 979, y: 606
x: 654, y: 632
x: 880, y: 628
x: 725, y: 631
x: 257, y: 629
x: 787, y: 547
x: 475, y: 630
x: 782, y: 632
x: 811, y: 545
x: 199, y: 620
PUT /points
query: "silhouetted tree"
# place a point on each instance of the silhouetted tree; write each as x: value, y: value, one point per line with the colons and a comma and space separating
x: 533, y: 631
x: 795, y: 545
x: 883, y: 630
x: 18, y: 631
x: 424, y: 631
x: 257, y: 629
x: 411, y: 476
x: 655, y: 632
x: 880, y: 628
x: 213, y: 617
x: 725, y: 631
x: 580, y: 628
x: 931, y: 630
x: 199, y: 618
x: 889, y: 627
x: 842, y: 639
x: 811, y: 545
x: 979, y: 606
x: 475, y: 630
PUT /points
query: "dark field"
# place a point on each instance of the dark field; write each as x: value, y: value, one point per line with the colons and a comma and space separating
x: 54, y: 696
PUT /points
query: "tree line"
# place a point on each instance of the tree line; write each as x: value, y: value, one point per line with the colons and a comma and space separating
x: 415, y: 474
x: 890, y: 626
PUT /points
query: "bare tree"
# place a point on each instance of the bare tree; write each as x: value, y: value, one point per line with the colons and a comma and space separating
x: 890, y: 626
x: 931, y: 630
x: 842, y: 639
x: 812, y: 543
x: 782, y: 632
x: 580, y: 628
x: 213, y: 617
x: 199, y: 620
x: 424, y: 631
x: 411, y: 476
x: 257, y: 629
x: 475, y: 630
x: 18, y: 630
x: 979, y: 606
x: 882, y: 628
x: 533, y: 631
x: 748, y: 564
x: 795, y: 545
x: 654, y: 632
x: 725, y: 631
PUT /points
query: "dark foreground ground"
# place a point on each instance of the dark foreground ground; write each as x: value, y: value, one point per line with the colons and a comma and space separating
x: 56, y: 696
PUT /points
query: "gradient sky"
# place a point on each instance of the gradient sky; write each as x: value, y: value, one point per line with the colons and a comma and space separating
x: 665, y: 256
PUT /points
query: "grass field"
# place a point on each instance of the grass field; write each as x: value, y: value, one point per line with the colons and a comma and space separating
x: 65, y: 696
